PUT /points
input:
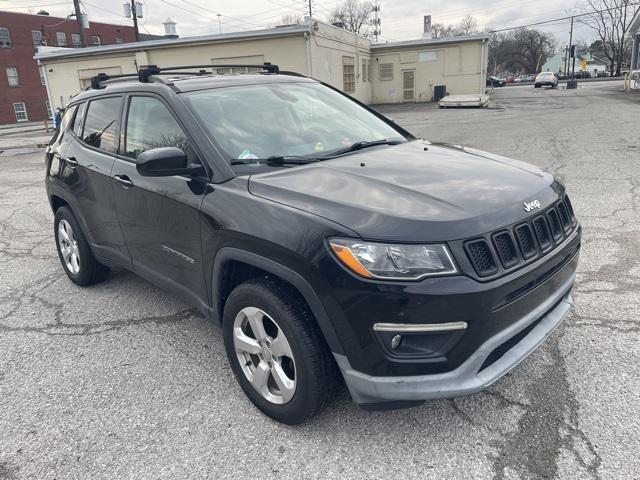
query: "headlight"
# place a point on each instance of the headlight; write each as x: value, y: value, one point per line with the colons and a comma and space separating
x: 393, y: 262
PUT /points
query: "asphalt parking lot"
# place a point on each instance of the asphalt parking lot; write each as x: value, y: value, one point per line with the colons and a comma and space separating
x: 123, y: 380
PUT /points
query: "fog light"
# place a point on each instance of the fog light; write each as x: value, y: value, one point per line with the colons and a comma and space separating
x: 395, y: 341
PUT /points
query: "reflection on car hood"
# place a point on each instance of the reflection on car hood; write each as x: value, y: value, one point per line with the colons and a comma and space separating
x: 412, y: 192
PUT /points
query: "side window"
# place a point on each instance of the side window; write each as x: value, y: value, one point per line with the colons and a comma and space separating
x: 101, y: 124
x: 66, y: 120
x: 78, y: 119
x: 151, y: 125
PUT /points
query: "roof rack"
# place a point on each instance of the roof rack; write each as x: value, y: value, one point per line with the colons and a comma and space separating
x: 144, y: 74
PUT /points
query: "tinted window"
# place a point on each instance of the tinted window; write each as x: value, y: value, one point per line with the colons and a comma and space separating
x: 66, y: 120
x: 151, y: 125
x: 101, y: 124
x: 76, y: 125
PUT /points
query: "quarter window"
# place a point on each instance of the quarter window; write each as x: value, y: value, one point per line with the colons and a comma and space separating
x: 20, y: 110
x: 36, y: 35
x: 386, y: 71
x: 101, y: 124
x: 12, y: 76
x: 151, y: 125
x: 348, y: 74
x: 78, y: 120
x: 5, y: 38
x: 62, y: 39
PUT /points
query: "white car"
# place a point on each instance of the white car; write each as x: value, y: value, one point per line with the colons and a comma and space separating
x: 546, y: 78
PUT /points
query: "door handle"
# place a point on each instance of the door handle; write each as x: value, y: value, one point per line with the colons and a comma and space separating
x: 123, y: 180
x: 71, y: 161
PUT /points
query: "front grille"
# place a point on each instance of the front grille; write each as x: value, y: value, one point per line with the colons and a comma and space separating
x: 512, y: 247
x: 505, y: 248
x: 542, y: 233
x: 481, y: 257
x: 525, y: 241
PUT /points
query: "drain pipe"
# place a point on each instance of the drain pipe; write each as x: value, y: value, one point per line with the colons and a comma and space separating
x: 307, y: 42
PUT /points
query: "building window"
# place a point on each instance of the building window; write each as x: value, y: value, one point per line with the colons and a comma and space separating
x: 49, y: 111
x: 43, y: 78
x: 75, y: 40
x: 364, y: 71
x: 386, y: 71
x: 119, y: 40
x: 37, y: 37
x: 348, y: 74
x: 12, y: 76
x: 5, y: 38
x: 20, y: 110
x: 62, y: 39
x: 96, y: 40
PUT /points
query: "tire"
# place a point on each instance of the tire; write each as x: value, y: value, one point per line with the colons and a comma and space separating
x: 86, y: 270
x: 536, y: 86
x: 311, y: 366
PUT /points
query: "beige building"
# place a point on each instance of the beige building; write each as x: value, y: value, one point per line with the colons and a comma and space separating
x: 370, y: 73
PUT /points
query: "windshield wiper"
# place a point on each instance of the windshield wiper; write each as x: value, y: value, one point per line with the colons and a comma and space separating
x: 276, y: 160
x: 363, y: 144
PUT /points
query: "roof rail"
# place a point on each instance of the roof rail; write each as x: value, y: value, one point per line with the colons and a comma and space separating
x: 144, y: 74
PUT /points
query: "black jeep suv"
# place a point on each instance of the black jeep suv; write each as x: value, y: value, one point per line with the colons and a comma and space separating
x: 328, y: 241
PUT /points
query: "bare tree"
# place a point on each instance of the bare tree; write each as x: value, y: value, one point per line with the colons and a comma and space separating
x: 467, y: 26
x: 290, y: 19
x: 521, y: 50
x: 610, y: 20
x: 353, y: 15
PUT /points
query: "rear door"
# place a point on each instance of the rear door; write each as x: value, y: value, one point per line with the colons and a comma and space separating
x: 87, y: 159
x: 160, y: 216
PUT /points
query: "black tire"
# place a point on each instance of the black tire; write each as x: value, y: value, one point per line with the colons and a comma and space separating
x: 90, y: 270
x: 316, y: 373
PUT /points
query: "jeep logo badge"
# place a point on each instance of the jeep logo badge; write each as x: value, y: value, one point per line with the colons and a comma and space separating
x: 534, y: 205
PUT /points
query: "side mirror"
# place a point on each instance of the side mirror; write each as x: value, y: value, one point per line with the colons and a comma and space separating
x: 166, y: 162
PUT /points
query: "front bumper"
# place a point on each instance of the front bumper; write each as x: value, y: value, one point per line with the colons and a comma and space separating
x: 492, y: 360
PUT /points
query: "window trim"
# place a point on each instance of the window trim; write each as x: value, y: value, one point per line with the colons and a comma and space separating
x: 17, y: 76
x: 380, y: 72
x: 61, y: 35
x: 355, y: 75
x: 8, y: 37
x: 93, y: 40
x: 125, y: 125
x: 118, y: 118
x: 25, y: 112
x: 34, y: 40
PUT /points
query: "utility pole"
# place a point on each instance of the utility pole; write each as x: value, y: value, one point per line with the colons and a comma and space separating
x: 310, y: 15
x: 134, y: 14
x: 566, y: 64
x: 219, y: 24
x: 83, y: 40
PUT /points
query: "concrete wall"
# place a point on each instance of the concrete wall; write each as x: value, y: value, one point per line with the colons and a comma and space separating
x: 460, y: 66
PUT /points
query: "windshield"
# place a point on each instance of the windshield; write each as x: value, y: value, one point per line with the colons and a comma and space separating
x: 253, y: 122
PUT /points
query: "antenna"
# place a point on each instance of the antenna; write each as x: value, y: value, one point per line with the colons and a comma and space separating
x: 375, y: 21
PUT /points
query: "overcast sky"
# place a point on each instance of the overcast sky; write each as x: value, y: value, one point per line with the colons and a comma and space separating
x: 401, y: 19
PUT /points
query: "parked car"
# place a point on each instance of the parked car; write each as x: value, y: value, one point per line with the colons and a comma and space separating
x: 329, y: 243
x: 547, y: 79
x: 495, y: 81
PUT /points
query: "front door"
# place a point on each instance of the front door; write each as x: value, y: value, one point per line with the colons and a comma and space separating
x: 408, y: 85
x: 159, y: 216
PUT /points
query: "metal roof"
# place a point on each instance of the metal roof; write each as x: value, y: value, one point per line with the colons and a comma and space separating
x: 430, y: 41
x: 50, y: 53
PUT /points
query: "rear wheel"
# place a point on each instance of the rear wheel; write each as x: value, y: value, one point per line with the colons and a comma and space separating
x: 74, y: 252
x: 277, y: 352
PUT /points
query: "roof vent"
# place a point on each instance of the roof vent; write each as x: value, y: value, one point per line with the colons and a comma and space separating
x: 43, y: 13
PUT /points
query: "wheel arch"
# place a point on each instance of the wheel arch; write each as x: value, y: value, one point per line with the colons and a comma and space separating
x: 257, y: 265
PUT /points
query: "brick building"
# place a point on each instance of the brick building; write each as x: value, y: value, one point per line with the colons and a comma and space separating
x: 23, y: 96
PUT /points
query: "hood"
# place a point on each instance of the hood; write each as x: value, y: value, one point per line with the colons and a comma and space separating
x: 415, y: 191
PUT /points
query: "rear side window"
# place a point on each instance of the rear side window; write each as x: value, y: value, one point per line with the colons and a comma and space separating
x: 101, y: 124
x: 150, y: 124
x: 77, y: 121
x: 66, y: 121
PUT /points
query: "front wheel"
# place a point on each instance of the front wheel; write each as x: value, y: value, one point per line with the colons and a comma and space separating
x: 277, y: 352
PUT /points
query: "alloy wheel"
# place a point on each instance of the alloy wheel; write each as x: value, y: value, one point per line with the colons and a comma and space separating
x: 68, y: 247
x: 265, y: 355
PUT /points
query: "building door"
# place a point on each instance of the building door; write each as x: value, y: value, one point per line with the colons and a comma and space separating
x: 408, y: 85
